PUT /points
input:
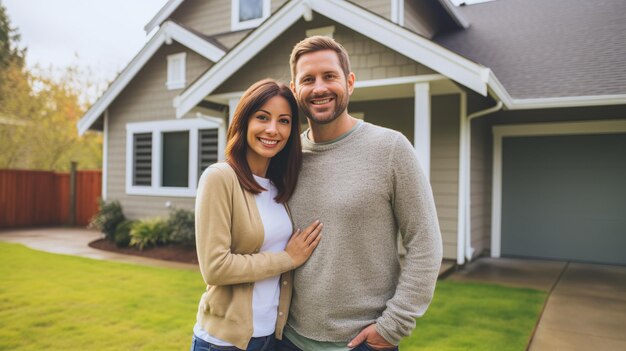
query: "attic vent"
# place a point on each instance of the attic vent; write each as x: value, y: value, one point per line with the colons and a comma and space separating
x: 142, y: 157
x: 208, y: 149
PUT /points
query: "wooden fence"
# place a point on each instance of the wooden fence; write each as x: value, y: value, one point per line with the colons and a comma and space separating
x: 42, y: 198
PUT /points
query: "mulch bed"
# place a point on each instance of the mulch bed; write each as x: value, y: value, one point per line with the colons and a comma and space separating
x: 170, y: 252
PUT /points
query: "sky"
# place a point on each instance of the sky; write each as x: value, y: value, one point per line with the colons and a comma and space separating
x: 103, y: 35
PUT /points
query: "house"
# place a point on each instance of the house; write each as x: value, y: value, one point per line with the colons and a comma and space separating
x: 516, y: 108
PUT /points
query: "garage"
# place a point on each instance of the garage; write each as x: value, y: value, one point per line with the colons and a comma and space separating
x: 564, y: 197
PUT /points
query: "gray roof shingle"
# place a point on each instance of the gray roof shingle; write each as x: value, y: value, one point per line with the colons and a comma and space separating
x: 547, y: 48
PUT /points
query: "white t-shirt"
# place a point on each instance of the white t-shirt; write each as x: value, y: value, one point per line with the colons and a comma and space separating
x: 278, y: 229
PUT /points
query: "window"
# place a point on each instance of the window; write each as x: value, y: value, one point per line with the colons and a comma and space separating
x: 249, y: 13
x: 176, y: 71
x: 166, y: 158
x: 175, y: 166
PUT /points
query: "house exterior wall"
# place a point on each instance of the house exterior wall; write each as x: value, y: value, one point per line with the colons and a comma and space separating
x: 379, y: 7
x: 420, y: 18
x: 213, y: 17
x: 369, y: 59
x: 444, y: 151
x: 145, y: 99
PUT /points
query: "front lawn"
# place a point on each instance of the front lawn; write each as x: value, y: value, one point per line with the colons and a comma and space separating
x: 55, y: 302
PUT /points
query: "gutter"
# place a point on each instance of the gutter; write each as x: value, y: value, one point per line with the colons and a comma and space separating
x: 465, y: 251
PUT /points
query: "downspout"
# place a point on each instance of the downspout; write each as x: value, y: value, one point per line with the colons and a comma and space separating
x: 467, y: 156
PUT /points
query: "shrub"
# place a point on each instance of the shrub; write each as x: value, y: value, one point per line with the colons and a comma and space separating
x: 122, y: 233
x: 181, y: 226
x: 107, y: 219
x: 150, y: 232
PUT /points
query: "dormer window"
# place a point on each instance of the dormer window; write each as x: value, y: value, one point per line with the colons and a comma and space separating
x: 249, y: 13
x: 176, y: 71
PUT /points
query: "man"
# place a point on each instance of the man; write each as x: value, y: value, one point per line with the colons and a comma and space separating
x: 364, y: 183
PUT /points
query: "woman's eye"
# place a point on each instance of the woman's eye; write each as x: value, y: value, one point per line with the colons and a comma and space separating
x: 262, y: 117
x: 285, y: 121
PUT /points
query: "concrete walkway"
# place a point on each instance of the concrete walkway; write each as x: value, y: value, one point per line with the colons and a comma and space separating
x: 586, y: 308
x: 74, y: 241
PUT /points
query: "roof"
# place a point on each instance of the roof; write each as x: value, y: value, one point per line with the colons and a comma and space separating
x: 167, y: 32
x: 547, y: 48
x: 463, y: 71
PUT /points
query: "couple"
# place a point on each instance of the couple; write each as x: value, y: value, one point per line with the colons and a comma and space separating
x: 337, y: 284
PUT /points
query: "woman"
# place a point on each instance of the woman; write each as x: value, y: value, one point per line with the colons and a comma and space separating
x: 243, y: 227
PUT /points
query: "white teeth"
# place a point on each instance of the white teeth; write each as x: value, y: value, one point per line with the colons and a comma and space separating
x: 269, y: 142
x: 320, y: 102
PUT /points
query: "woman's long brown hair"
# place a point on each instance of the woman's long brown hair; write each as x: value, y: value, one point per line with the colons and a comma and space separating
x: 284, y: 168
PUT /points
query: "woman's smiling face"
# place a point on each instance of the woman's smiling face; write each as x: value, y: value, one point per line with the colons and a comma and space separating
x: 268, y: 131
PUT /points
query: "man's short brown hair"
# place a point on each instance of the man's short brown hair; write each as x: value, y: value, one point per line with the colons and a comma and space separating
x: 319, y: 43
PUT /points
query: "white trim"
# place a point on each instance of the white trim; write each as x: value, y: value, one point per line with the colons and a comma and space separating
x: 397, y: 12
x: 537, y: 129
x: 105, y: 154
x: 157, y: 128
x: 421, y: 125
x: 398, y: 81
x: 176, y: 64
x: 162, y: 15
x: 462, y: 205
x: 458, y: 68
x: 167, y: 30
x: 236, y: 24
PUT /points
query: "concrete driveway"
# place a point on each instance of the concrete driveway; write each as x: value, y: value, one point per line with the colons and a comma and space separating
x: 586, y: 307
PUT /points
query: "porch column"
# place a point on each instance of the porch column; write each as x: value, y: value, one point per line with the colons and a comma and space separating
x: 421, y: 139
x: 232, y: 105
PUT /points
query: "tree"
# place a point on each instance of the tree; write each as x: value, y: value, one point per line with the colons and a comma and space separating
x: 39, y: 110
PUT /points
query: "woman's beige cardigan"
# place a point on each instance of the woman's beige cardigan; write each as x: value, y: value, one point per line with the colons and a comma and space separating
x: 229, y: 235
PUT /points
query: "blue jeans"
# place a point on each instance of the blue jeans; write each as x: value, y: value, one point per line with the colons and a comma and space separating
x: 286, y: 345
x: 263, y: 343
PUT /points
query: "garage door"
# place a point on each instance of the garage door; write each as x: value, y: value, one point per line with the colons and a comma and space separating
x: 564, y: 197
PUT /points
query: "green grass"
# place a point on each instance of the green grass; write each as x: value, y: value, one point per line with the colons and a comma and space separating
x: 471, y: 316
x: 55, y: 302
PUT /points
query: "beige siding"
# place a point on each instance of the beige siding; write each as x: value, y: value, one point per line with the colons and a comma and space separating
x: 379, y: 7
x: 213, y: 18
x: 369, y: 59
x: 444, y: 167
x: 146, y: 98
x: 420, y: 18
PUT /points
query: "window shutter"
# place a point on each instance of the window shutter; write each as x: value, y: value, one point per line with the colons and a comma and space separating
x: 142, y: 159
x: 208, y: 149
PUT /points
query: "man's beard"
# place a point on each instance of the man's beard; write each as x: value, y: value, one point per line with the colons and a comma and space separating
x: 340, y: 106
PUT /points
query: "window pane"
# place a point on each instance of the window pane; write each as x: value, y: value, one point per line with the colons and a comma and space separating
x: 250, y: 9
x: 207, y: 152
x: 175, y: 159
x: 142, y: 159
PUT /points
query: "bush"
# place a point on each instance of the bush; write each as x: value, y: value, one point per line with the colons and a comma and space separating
x: 181, y: 227
x: 107, y: 219
x: 148, y: 233
x: 122, y: 233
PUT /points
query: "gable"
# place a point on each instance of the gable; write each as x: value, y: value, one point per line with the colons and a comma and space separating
x: 396, y: 38
x: 369, y: 59
x: 168, y: 32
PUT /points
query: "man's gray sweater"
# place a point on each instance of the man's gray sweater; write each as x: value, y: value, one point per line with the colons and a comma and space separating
x: 366, y: 189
